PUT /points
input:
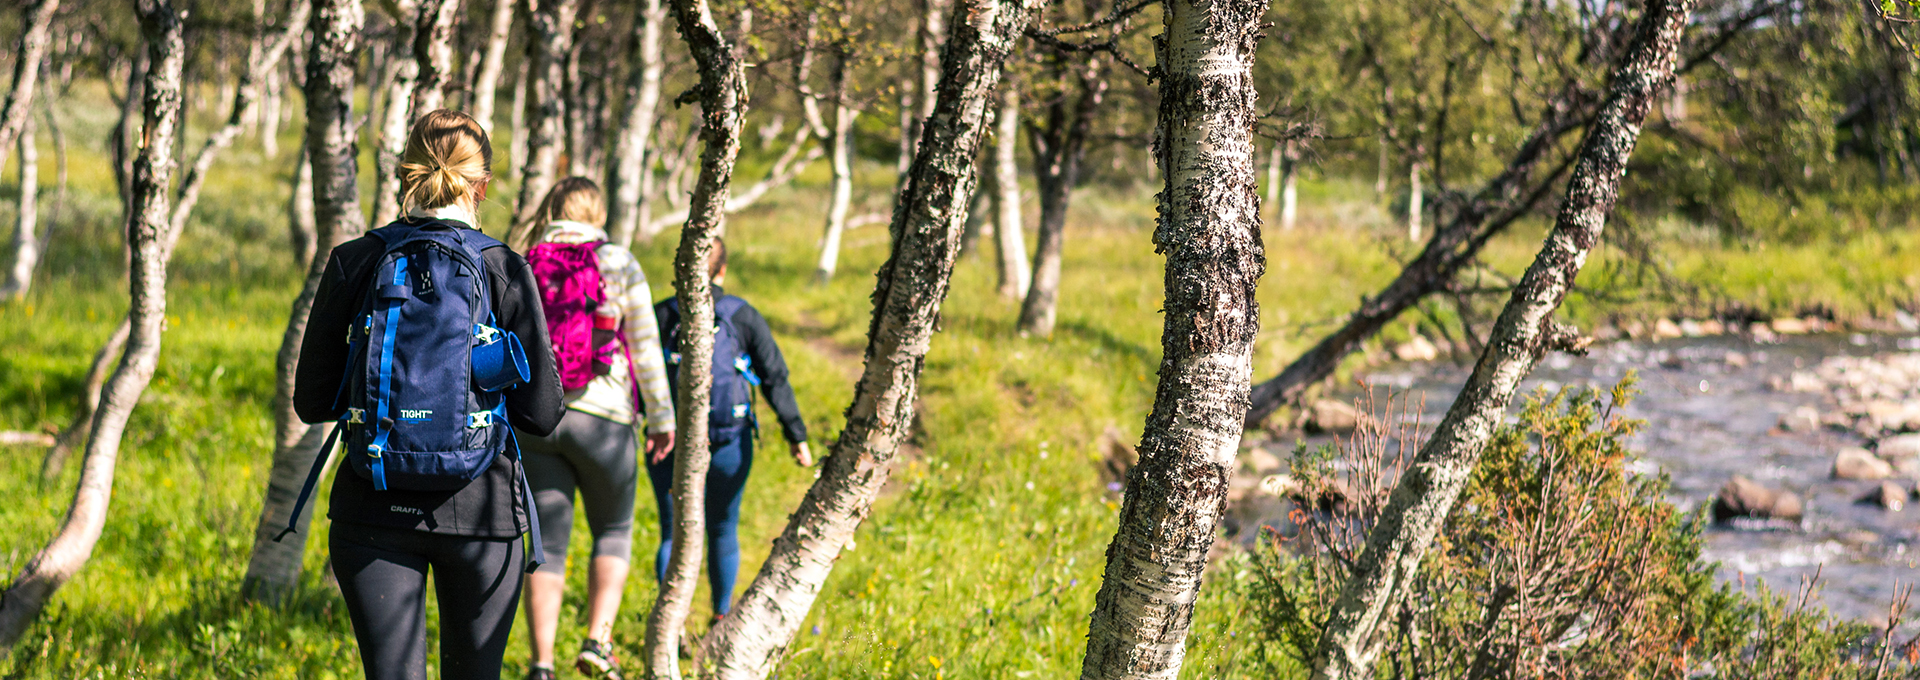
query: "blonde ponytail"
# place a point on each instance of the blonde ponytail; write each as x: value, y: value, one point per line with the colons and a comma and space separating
x: 448, y: 159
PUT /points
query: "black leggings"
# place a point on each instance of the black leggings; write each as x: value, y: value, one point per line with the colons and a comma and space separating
x: 383, y: 575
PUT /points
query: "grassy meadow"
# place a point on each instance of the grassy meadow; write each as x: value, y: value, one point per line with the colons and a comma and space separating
x: 982, y: 559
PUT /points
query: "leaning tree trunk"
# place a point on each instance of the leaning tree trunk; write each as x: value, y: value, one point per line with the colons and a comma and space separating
x: 37, y: 17
x: 723, y: 105
x: 1008, y: 233
x: 626, y: 212
x: 432, y: 54
x: 547, y: 47
x: 927, y: 224
x: 75, y: 434
x: 1506, y: 198
x: 395, y: 116
x: 841, y: 140
x: 301, y: 234
x: 486, y: 85
x: 26, y: 238
x: 148, y: 223
x: 1209, y: 229
x: 1524, y: 333
x: 274, y: 567
x: 1056, y: 165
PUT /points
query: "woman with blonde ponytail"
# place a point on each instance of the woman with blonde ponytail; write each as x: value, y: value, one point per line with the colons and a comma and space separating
x: 387, y: 535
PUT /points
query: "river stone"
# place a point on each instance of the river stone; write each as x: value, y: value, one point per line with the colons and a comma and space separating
x: 1712, y: 327
x: 1333, y: 417
x: 1665, y: 328
x: 1899, y: 446
x: 1789, y: 326
x: 1263, y: 461
x: 1854, y: 462
x: 1888, y: 495
x: 1742, y: 497
x: 1417, y: 349
x: 1802, y: 419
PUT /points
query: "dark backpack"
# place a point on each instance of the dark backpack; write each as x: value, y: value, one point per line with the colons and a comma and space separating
x: 426, y: 330
x: 730, y: 412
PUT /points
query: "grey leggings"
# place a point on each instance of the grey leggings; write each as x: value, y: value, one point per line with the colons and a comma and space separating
x: 595, y: 456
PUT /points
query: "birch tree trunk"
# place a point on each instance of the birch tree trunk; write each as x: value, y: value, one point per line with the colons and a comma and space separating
x: 1273, y: 175
x: 1416, y: 199
x: 1523, y: 334
x: 37, y: 18
x: 1058, y: 150
x: 26, y: 238
x: 517, y: 121
x: 1289, y: 185
x: 487, y: 84
x: 927, y: 224
x: 1008, y: 233
x: 1209, y: 229
x: 432, y: 55
x: 841, y: 140
x: 395, y: 115
x: 548, y: 44
x: 301, y: 233
x: 723, y: 104
x: 625, y: 213
x: 273, y: 568
x: 70, y: 549
x: 75, y: 434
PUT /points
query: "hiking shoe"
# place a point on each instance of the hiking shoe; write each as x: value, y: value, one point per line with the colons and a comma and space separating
x: 538, y: 673
x: 596, y: 660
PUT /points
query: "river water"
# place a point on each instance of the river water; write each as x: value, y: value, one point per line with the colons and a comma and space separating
x: 1710, y: 413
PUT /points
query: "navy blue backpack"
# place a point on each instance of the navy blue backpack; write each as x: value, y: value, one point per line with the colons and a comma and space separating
x: 730, y: 412
x: 426, y: 331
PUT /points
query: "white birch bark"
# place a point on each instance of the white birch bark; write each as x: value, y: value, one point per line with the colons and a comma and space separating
x: 395, y: 116
x: 1523, y: 334
x: 432, y: 54
x: 26, y: 238
x: 75, y: 434
x: 148, y: 222
x: 1289, y: 186
x: 723, y: 104
x: 1416, y: 199
x: 926, y: 231
x: 548, y: 44
x: 841, y: 141
x: 1009, y: 234
x: 273, y: 568
x: 301, y: 234
x: 1273, y: 175
x: 37, y: 18
x: 517, y: 121
x: 1209, y: 229
x: 625, y: 213
x: 486, y: 85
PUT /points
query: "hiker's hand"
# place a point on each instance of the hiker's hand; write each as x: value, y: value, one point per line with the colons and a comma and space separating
x: 659, y: 444
x: 801, y: 455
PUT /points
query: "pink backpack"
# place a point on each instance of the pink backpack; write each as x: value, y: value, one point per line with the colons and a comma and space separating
x: 570, y: 291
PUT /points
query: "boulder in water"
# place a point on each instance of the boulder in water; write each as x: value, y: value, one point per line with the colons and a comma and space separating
x: 1790, y: 326
x: 1742, y: 497
x: 1334, y: 417
x: 1262, y: 461
x: 1417, y: 349
x: 1899, y: 446
x: 1802, y: 419
x: 1854, y: 462
x: 1665, y: 328
x: 1888, y: 495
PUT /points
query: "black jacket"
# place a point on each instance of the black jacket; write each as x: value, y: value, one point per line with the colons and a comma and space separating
x: 486, y: 507
x: 767, y: 361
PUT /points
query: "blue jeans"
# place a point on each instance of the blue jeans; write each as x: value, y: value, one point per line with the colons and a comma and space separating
x: 726, y: 483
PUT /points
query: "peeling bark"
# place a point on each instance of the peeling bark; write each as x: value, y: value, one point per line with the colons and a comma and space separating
x: 432, y: 54
x: 723, y: 103
x: 1209, y: 229
x: 273, y: 568
x: 1009, y: 236
x: 841, y: 141
x: 69, y: 550
x: 548, y: 44
x: 627, y: 211
x: 1523, y: 334
x: 927, y: 223
x: 36, y: 16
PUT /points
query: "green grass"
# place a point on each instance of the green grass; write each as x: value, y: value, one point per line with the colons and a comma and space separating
x: 982, y: 559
